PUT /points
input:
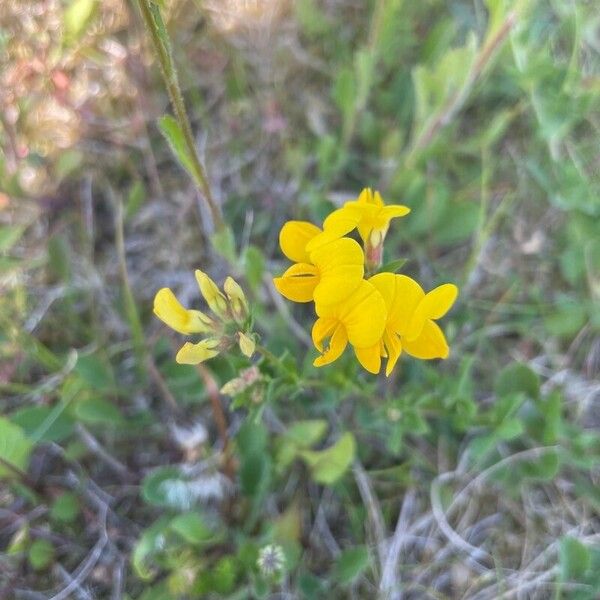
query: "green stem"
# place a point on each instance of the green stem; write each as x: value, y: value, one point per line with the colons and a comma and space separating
x: 162, y: 47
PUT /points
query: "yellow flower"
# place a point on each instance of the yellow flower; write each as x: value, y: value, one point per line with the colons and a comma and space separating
x: 192, y: 354
x: 358, y: 320
x: 328, y: 274
x: 410, y: 320
x: 169, y: 310
x: 368, y: 214
x: 213, y: 296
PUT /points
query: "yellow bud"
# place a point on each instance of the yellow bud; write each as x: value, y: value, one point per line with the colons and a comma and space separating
x: 192, y: 354
x: 247, y: 344
x: 237, y: 299
x: 168, y: 309
x: 214, y: 298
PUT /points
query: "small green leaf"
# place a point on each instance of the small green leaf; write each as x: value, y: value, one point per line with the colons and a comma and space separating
x: 97, y: 411
x: 155, y: 487
x: 15, y: 448
x: 327, y: 466
x: 516, y: 378
x: 255, y: 266
x: 350, y: 564
x: 41, y: 554
x: 393, y: 266
x: 223, y: 242
x: 191, y: 527
x: 96, y: 372
x: 44, y: 423
x: 65, y: 508
x: 172, y: 132
x: 151, y: 541
x: 574, y: 559
x: 306, y: 433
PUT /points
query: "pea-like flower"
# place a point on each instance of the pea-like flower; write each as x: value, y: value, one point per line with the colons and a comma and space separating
x: 410, y: 323
x: 328, y: 274
x: 230, y: 314
x: 359, y: 320
x: 370, y: 216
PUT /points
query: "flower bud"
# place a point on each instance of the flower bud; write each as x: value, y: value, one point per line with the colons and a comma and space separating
x: 247, y: 344
x: 214, y: 298
x: 237, y: 300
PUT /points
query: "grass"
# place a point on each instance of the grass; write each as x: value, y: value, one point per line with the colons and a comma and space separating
x: 475, y: 477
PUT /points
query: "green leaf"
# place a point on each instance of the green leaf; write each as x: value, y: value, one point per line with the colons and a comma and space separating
x: 574, y: 559
x: 172, y: 132
x: 65, y: 508
x: 509, y: 429
x: 350, y: 564
x: 327, y: 466
x: 393, y: 266
x: 151, y: 542
x: 97, y: 411
x: 155, y: 487
x: 223, y: 242
x: 191, y: 527
x: 15, y: 448
x: 77, y: 16
x: 306, y: 433
x: 255, y: 266
x: 96, y: 372
x: 516, y: 378
x: 44, y: 423
x: 41, y: 554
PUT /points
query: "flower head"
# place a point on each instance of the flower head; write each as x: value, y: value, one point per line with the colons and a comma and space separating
x: 369, y: 215
x: 327, y: 274
x: 358, y: 320
x: 229, y: 313
x: 271, y: 559
x: 410, y: 320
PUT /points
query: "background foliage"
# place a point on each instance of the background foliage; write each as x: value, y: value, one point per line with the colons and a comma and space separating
x: 473, y: 478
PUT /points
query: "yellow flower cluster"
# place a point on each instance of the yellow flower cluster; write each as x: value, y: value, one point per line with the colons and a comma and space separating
x: 380, y: 315
x: 227, y: 326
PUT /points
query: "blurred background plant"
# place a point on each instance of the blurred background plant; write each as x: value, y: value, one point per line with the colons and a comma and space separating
x: 475, y: 478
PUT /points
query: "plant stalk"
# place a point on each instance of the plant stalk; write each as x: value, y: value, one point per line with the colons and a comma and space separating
x: 162, y: 48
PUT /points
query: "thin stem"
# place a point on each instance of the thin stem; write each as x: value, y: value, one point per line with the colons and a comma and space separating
x: 160, y: 41
x: 218, y: 415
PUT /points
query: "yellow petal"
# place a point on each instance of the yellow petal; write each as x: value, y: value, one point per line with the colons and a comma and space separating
x: 293, y: 238
x: 169, y: 310
x: 341, y: 268
x: 337, y: 345
x: 366, y: 196
x: 336, y: 225
x: 322, y: 329
x: 402, y: 296
x: 434, y: 305
x: 298, y: 283
x: 213, y: 296
x: 363, y: 314
x: 431, y: 343
x: 393, y: 211
x: 370, y: 358
x: 247, y: 344
x: 393, y: 347
x: 192, y: 354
